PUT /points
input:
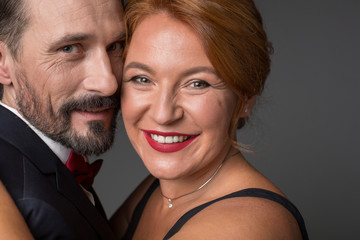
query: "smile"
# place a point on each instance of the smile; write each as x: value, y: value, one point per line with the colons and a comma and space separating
x: 94, y: 110
x: 168, y: 142
x: 94, y: 114
x: 90, y: 111
x: 169, y: 139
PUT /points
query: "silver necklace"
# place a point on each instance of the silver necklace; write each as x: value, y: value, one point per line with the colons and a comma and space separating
x: 170, y: 200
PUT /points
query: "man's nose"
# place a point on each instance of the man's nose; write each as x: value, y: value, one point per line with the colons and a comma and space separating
x: 100, y: 76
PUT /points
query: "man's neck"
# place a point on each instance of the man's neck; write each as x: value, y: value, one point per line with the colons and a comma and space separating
x: 60, y: 150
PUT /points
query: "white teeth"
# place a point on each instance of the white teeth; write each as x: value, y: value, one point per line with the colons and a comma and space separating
x: 161, y: 139
x: 169, y: 139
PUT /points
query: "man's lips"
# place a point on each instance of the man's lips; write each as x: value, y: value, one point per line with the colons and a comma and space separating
x: 94, y: 113
x: 168, y: 142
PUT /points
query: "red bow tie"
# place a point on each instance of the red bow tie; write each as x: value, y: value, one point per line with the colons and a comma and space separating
x: 82, y: 170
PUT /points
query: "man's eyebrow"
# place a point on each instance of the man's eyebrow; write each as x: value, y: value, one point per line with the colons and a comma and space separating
x: 120, y: 36
x: 79, y: 37
x: 68, y: 39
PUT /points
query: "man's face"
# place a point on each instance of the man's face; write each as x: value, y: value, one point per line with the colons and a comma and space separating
x: 66, y: 79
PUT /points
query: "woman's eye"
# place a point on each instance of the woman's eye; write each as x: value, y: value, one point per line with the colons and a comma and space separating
x: 140, y: 80
x: 199, y: 84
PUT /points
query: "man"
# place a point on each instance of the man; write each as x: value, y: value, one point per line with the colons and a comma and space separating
x: 60, y: 67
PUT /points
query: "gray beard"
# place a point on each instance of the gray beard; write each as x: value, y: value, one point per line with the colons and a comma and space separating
x: 57, y: 125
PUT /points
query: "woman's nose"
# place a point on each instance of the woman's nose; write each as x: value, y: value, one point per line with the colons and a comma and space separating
x: 166, y: 109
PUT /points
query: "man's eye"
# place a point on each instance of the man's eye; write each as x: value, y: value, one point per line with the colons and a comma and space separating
x: 116, y: 46
x: 199, y: 84
x: 70, y: 49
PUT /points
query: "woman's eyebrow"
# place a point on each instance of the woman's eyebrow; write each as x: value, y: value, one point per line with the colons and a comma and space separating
x: 183, y: 74
x: 198, y: 70
x: 138, y: 66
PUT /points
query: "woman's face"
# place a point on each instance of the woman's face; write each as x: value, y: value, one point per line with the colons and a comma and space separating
x: 175, y: 107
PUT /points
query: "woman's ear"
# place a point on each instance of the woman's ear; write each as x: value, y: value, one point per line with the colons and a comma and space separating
x: 247, y: 107
x: 5, y: 78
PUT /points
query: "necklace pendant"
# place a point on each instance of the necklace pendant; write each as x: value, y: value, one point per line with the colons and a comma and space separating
x: 170, y: 204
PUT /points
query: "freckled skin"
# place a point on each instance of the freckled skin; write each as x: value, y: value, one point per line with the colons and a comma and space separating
x: 175, y: 98
x: 170, y: 86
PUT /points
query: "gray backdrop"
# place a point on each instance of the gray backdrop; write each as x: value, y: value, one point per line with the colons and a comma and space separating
x: 305, y: 127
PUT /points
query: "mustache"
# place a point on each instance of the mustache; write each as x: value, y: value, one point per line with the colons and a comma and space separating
x: 87, y: 101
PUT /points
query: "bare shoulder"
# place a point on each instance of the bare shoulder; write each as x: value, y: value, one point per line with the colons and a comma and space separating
x: 122, y: 217
x: 242, y: 218
x: 12, y: 224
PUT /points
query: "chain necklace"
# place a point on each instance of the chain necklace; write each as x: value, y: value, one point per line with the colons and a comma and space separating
x: 170, y: 200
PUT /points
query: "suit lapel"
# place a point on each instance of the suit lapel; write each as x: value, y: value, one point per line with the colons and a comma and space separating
x: 19, y: 134
x: 98, y: 204
x: 68, y: 186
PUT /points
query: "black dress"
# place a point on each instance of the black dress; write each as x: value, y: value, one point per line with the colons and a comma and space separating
x: 250, y: 192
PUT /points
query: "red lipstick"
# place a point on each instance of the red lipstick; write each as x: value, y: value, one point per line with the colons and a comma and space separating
x: 168, y: 147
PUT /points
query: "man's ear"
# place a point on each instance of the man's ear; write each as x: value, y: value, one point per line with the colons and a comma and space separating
x: 4, y: 62
x: 248, y: 105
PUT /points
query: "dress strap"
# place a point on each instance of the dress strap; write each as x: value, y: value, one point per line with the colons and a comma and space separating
x: 250, y: 192
x: 139, y: 210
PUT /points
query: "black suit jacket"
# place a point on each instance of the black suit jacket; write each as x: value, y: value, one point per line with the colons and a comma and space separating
x: 48, y: 196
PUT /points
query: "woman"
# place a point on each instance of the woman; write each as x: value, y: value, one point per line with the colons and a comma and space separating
x: 192, y: 71
x: 12, y: 225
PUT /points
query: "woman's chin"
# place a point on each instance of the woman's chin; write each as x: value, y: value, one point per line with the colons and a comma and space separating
x: 165, y: 173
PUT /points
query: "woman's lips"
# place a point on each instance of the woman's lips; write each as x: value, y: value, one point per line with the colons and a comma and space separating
x: 168, y: 142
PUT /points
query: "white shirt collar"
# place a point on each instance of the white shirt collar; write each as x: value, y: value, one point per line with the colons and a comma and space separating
x: 60, y: 150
